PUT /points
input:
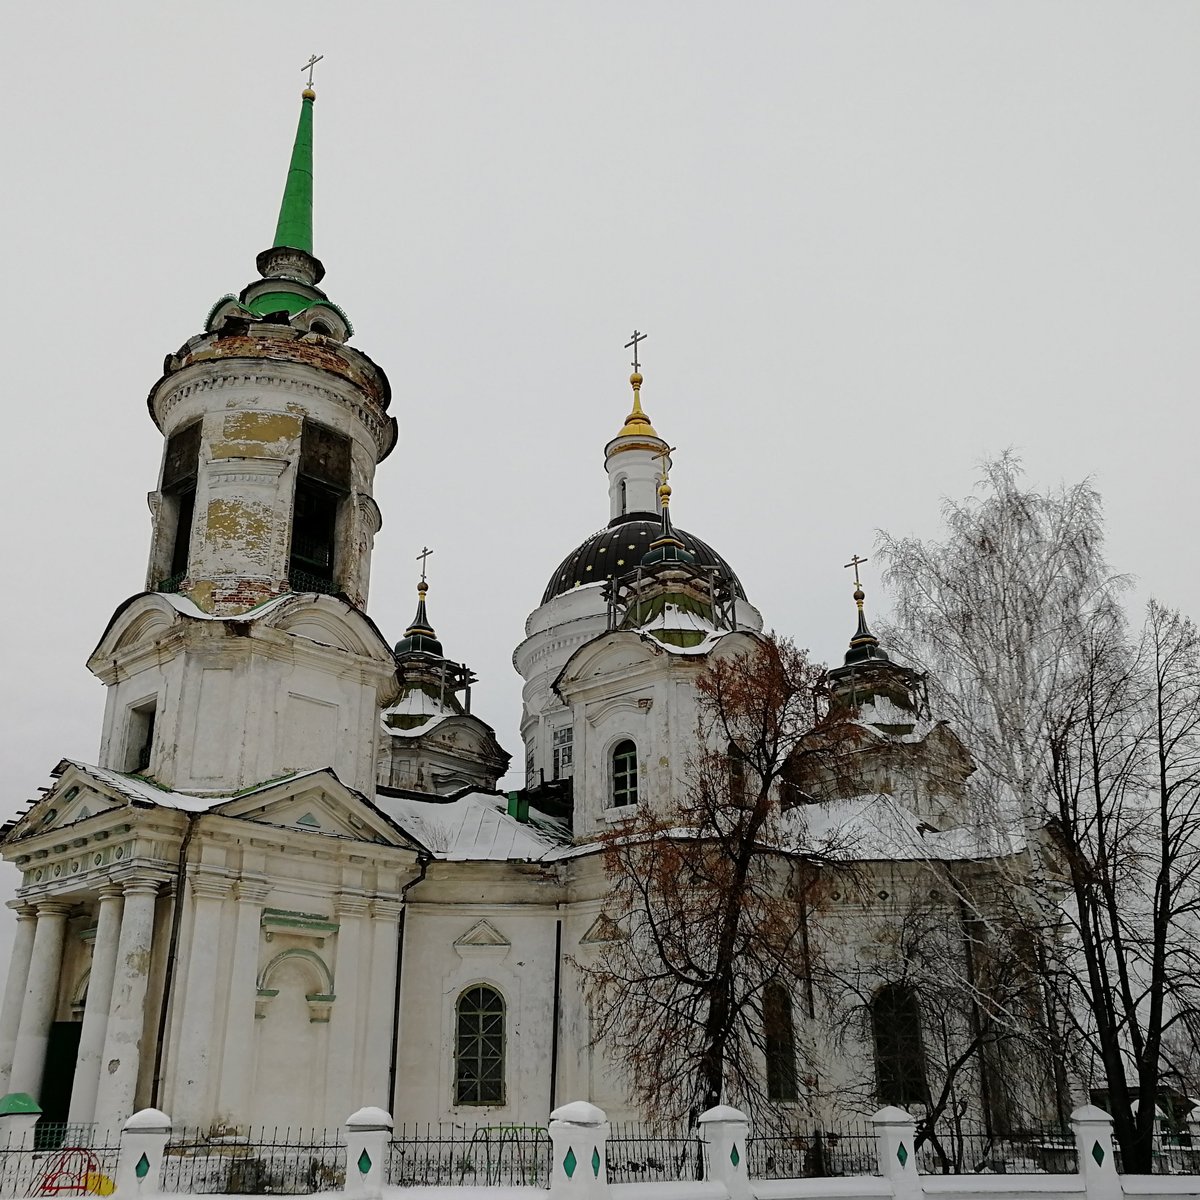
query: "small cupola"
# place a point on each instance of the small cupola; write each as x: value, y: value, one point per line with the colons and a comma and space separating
x: 882, y: 693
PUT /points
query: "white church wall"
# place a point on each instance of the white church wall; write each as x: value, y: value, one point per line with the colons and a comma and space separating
x: 447, y: 950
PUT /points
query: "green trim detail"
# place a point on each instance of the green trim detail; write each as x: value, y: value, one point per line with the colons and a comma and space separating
x: 143, y: 1167
x: 294, y: 229
x: 570, y: 1163
x: 1098, y: 1153
x: 902, y: 1154
x: 364, y: 1162
x: 269, y: 302
x: 18, y: 1102
x: 734, y: 1156
x: 596, y: 1161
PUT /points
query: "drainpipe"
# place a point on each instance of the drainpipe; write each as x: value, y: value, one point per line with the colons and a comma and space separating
x: 172, y: 956
x: 424, y: 862
x: 556, y: 1015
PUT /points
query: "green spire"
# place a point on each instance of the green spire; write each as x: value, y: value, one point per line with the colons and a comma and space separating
x: 295, y: 213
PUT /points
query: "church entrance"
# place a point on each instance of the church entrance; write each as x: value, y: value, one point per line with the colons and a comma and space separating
x: 58, y: 1078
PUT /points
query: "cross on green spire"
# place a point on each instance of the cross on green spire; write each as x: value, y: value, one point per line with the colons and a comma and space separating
x: 295, y: 213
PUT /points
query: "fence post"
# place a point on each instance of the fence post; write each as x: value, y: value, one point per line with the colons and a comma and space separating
x: 1094, y: 1151
x: 895, y: 1135
x: 725, y: 1132
x: 18, y: 1115
x: 579, y: 1136
x: 368, y: 1133
x: 139, y: 1161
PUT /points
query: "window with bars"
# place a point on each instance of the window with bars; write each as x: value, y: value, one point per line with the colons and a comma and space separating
x: 899, y: 1054
x: 479, y: 1047
x: 624, y: 774
x: 779, y: 1038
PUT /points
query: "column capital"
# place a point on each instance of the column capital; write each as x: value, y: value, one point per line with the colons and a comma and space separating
x: 140, y: 882
x: 110, y: 891
x: 253, y: 889
x: 351, y: 904
x: 23, y: 909
x: 209, y: 884
x: 53, y: 908
x: 384, y: 908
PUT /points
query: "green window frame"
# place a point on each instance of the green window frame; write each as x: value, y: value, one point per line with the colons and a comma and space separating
x: 479, y: 1046
x: 624, y: 774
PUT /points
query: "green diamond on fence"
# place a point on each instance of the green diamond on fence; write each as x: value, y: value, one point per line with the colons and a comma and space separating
x: 364, y: 1162
x: 902, y: 1154
x: 1098, y: 1153
x: 143, y: 1167
x: 596, y: 1162
x: 569, y: 1163
x: 734, y: 1156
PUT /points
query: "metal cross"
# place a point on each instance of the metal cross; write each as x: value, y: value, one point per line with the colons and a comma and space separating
x: 665, y: 455
x: 308, y: 66
x: 423, y: 556
x: 856, y: 562
x: 633, y: 341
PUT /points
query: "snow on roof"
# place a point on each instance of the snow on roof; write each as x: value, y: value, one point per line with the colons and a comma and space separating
x: 190, y: 608
x: 474, y: 827
x: 134, y: 788
x: 417, y: 703
x: 878, y: 827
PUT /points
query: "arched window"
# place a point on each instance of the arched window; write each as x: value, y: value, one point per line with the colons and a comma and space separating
x: 624, y: 490
x: 779, y: 1041
x: 737, y: 775
x: 624, y: 774
x: 479, y: 1047
x: 899, y: 1055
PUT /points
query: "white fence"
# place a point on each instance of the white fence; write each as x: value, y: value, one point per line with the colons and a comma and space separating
x: 572, y: 1159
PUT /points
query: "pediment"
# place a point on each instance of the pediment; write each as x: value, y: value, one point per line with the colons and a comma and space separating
x: 328, y: 621
x: 76, y: 796
x: 603, y: 929
x: 140, y: 621
x: 610, y: 654
x: 482, y: 934
x: 316, y: 803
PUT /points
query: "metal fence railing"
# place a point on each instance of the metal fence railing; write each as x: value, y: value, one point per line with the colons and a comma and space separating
x: 454, y: 1155
x: 813, y: 1150
x: 59, y: 1159
x: 280, y: 1161
x: 1174, y: 1153
x: 652, y: 1154
x: 957, y: 1147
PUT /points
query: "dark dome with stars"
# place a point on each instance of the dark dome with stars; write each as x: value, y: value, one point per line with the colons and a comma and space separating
x: 617, y: 550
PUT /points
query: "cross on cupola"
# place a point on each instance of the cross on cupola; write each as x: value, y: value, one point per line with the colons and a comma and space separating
x: 633, y: 342
x: 856, y: 562
x: 422, y: 558
x: 308, y: 66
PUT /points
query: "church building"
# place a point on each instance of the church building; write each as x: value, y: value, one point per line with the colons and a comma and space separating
x: 288, y: 887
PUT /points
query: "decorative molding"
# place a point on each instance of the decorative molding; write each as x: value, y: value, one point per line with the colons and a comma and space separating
x: 603, y: 929
x: 264, y: 472
x: 297, y: 924
x: 482, y: 937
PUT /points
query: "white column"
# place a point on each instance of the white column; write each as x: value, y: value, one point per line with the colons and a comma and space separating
x: 344, y: 1070
x: 14, y: 991
x: 725, y: 1132
x: 95, y: 1012
x: 191, y: 1074
x: 126, y: 1015
x: 237, y: 1064
x: 381, y: 1002
x: 41, y: 993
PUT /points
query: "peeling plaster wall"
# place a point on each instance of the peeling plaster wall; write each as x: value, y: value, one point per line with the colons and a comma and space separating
x: 252, y: 413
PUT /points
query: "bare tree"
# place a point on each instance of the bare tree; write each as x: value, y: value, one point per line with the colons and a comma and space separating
x: 993, y: 614
x: 1090, y: 741
x: 714, y: 895
x: 1125, y: 821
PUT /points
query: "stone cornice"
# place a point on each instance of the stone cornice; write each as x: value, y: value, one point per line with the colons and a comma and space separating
x: 213, y: 375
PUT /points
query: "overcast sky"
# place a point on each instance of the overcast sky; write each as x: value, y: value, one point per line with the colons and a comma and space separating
x: 871, y: 243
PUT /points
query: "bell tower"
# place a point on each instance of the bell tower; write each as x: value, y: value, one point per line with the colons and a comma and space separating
x: 273, y: 427
x: 249, y: 655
